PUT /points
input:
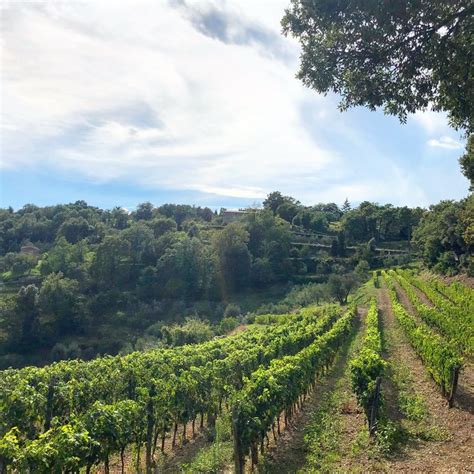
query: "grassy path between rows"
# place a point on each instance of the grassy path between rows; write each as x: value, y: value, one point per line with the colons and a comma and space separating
x: 329, y: 418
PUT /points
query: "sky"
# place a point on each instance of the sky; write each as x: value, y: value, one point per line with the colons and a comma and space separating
x: 194, y: 102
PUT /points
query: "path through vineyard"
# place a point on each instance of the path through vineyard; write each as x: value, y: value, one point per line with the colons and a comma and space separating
x: 290, y: 451
x: 439, y: 440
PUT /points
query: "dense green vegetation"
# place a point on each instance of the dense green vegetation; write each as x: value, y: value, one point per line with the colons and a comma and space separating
x: 454, y: 321
x: 109, y: 281
x: 94, y: 409
x: 403, y: 55
x: 169, y: 321
x: 278, y: 388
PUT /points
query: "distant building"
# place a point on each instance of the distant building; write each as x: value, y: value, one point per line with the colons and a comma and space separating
x: 234, y: 215
x: 30, y: 249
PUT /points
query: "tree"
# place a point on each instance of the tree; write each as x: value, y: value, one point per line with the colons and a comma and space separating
x: 147, y: 283
x: 111, y: 266
x: 58, y: 298
x: 144, y: 211
x: 119, y: 218
x: 19, y: 263
x: 233, y: 256
x: 362, y: 269
x: 163, y: 225
x: 75, y: 229
x: 440, y: 236
x: 142, y: 249
x: 467, y: 162
x: 288, y: 210
x: 346, y: 206
x: 66, y: 258
x: 273, y: 201
x: 261, y: 272
x: 269, y: 243
x: 26, y: 310
x: 339, y: 286
x: 404, y: 55
x: 185, y: 269
x: 330, y: 211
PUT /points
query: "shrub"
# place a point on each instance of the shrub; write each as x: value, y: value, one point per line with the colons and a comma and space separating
x: 232, y: 310
x: 228, y: 324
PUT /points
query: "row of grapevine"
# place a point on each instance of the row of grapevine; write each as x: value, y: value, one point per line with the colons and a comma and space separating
x: 440, y: 356
x: 367, y: 368
x: 375, y: 278
x: 453, y: 322
x: 458, y: 307
x: 278, y: 388
x: 93, y: 409
x: 456, y: 292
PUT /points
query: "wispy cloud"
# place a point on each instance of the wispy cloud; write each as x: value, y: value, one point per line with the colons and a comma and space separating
x: 445, y: 142
x: 184, y: 96
x: 226, y: 23
x: 432, y: 122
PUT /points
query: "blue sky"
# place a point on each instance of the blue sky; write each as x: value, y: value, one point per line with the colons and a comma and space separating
x: 194, y: 102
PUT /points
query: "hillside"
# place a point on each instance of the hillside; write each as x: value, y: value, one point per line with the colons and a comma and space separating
x: 79, y: 281
x: 293, y: 390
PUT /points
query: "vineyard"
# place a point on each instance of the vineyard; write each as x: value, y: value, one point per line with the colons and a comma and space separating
x: 353, y: 379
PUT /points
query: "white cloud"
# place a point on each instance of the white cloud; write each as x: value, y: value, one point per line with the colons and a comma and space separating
x: 432, y: 122
x: 445, y: 142
x: 138, y: 91
x: 224, y: 117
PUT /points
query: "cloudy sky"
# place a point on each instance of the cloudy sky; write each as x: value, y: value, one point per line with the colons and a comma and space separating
x: 120, y: 102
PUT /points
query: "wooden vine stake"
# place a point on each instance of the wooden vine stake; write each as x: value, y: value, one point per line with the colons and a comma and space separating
x: 454, y: 386
x: 149, y: 429
x: 374, y: 407
x: 238, y: 455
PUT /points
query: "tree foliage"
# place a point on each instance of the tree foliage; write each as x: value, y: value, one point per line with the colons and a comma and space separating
x: 400, y: 55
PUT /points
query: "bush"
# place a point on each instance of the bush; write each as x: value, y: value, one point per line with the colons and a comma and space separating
x: 228, y: 324
x: 191, y: 332
x: 58, y: 352
x: 61, y: 351
x: 232, y: 310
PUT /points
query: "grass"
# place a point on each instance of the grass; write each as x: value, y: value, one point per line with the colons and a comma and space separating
x: 324, y: 437
x: 364, y: 293
x: 215, y: 457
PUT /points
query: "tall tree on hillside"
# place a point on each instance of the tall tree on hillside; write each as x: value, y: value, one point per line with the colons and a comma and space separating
x: 26, y: 311
x: 273, y: 201
x: 233, y: 256
x: 144, y: 211
x: 467, y: 162
x: 58, y: 300
x: 346, y: 206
